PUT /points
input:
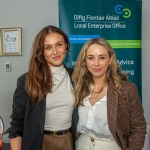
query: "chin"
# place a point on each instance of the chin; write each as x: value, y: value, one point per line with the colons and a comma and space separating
x: 57, y: 64
x: 96, y: 75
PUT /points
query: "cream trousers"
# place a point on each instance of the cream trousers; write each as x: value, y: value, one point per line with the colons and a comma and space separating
x: 86, y: 142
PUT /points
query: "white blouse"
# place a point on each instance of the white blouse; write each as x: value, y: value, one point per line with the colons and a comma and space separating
x: 93, y: 119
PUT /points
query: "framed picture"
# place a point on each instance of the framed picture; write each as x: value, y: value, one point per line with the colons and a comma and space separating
x: 0, y: 43
x: 1, y: 126
x: 11, y: 41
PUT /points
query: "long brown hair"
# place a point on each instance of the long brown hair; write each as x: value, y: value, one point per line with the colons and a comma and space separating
x: 82, y: 78
x: 39, y: 80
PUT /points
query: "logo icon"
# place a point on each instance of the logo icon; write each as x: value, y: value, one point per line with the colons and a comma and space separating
x: 126, y: 13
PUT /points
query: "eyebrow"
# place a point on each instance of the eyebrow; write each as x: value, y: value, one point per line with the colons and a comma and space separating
x: 60, y: 41
x: 55, y: 43
x: 98, y: 55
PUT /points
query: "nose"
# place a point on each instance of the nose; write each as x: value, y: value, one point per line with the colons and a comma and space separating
x: 96, y: 62
x: 55, y: 51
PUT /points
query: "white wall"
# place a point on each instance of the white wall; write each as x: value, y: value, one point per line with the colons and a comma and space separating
x: 33, y: 15
x: 146, y: 58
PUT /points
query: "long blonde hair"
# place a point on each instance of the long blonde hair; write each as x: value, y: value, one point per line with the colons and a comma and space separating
x: 82, y: 78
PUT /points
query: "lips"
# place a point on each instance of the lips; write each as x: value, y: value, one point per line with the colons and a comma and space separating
x: 56, y: 57
x: 96, y: 70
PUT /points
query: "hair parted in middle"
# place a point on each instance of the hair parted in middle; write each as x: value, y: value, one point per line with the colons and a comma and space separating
x: 39, y: 79
x: 82, y: 78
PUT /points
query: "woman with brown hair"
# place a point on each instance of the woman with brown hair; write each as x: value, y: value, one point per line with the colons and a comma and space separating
x: 43, y: 100
x: 110, y: 113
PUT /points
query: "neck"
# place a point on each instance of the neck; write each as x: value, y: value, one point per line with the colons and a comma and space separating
x: 99, y: 81
x: 99, y: 84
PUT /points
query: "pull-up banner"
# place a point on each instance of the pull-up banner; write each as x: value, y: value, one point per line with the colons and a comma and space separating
x: 118, y: 21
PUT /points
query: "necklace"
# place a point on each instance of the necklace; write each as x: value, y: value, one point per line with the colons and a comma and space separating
x: 98, y: 92
x: 95, y: 97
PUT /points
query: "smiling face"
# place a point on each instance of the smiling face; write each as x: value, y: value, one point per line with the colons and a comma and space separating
x: 97, y: 60
x: 54, y: 49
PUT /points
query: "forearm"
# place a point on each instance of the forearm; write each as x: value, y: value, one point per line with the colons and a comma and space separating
x: 16, y: 143
x: 0, y: 141
x: 18, y: 112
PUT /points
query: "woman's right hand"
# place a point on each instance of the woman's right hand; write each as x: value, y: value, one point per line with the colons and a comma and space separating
x: 16, y: 143
x: 0, y: 141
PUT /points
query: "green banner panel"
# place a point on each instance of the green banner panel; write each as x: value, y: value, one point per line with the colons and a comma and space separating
x: 118, y: 21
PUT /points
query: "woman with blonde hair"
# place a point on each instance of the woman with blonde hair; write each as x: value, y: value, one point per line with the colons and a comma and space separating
x: 110, y: 115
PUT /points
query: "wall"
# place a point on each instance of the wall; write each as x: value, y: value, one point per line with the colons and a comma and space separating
x: 146, y: 59
x: 31, y: 16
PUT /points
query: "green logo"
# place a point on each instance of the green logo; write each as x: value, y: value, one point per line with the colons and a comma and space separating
x: 125, y: 12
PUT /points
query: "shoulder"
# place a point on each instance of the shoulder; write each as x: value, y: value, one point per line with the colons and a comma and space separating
x: 21, y: 79
x: 127, y: 84
x: 128, y: 87
x: 23, y: 76
x: 129, y: 94
x: 69, y: 70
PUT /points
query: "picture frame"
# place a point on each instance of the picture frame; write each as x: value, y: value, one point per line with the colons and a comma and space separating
x: 0, y: 42
x: 11, y: 41
x: 1, y: 126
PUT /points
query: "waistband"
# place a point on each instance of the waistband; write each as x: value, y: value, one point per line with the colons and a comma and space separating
x: 56, y: 132
x: 92, y: 135
x: 93, y: 143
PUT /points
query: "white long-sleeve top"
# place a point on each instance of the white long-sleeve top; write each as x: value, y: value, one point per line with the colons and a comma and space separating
x: 59, y: 103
